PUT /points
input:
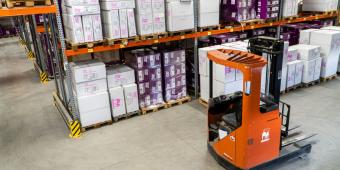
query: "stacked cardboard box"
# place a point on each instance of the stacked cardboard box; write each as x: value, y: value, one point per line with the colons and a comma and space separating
x: 267, y: 9
x: 180, y: 15
x: 150, y: 16
x: 239, y: 10
x: 334, y: 28
x: 294, y: 68
x: 123, y: 90
x: 118, y: 18
x: 320, y: 5
x: 310, y: 56
x: 209, y: 12
x: 329, y: 41
x: 290, y: 8
x: 148, y: 70
x: 90, y: 90
x: 82, y: 21
x: 174, y: 75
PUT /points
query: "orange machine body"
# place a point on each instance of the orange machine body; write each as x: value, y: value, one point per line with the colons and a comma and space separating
x: 257, y: 140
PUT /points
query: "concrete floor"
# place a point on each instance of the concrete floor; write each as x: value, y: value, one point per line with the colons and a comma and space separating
x: 34, y: 136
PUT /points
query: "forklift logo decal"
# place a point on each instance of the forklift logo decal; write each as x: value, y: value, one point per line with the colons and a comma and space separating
x: 265, y: 135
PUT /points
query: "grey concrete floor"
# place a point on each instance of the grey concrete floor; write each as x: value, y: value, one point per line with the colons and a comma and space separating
x: 34, y: 136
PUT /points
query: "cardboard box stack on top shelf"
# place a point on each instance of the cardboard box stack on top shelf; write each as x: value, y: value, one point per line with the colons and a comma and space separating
x: 179, y: 15
x: 148, y: 71
x: 310, y: 56
x: 174, y: 75
x: 290, y: 8
x: 150, y: 16
x: 82, y: 21
x: 235, y: 11
x: 123, y: 90
x: 118, y: 18
x: 90, y: 91
x: 266, y: 9
x: 209, y: 13
x: 320, y: 5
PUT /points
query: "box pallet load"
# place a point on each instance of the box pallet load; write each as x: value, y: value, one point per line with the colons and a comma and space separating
x: 209, y: 13
x: 90, y: 91
x: 82, y: 21
x: 329, y: 41
x: 123, y: 91
x: 294, y: 69
x: 320, y: 5
x: 237, y: 10
x: 311, y: 58
x: 148, y: 70
x: 150, y: 16
x: 290, y: 8
x: 118, y: 18
x: 266, y: 9
x: 174, y: 75
x: 179, y: 15
x: 334, y: 28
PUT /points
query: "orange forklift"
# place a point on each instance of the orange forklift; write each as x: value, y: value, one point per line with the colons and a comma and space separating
x: 247, y: 129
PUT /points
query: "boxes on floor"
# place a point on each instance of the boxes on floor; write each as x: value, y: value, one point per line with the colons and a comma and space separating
x: 223, y: 74
x: 292, y: 54
x: 117, y: 101
x: 283, y: 79
x: 90, y: 87
x: 87, y: 71
x: 294, y: 73
x: 307, y: 52
x: 317, y: 71
x: 208, y: 14
x: 263, y: 79
x: 204, y: 87
x: 203, y: 58
x: 94, y: 108
x: 311, y: 70
x: 220, y: 88
x: 131, y: 98
x: 120, y: 75
x: 305, y: 36
x: 334, y: 28
x: 180, y: 15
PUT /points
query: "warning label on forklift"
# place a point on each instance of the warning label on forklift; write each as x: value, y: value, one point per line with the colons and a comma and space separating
x: 265, y: 135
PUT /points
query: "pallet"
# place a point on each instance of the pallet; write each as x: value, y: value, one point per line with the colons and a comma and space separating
x: 313, y: 83
x: 178, y: 101
x: 75, y: 46
x: 209, y: 28
x: 252, y: 22
x: 26, y: 3
x: 154, y: 36
x: 269, y: 20
x: 126, y: 116
x: 97, y: 125
x: 151, y: 109
x: 203, y: 102
x: 333, y: 77
x: 122, y: 41
x: 182, y: 32
x: 315, y: 13
x: 290, y: 89
x: 290, y: 18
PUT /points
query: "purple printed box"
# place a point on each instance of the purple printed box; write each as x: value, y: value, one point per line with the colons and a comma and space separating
x: 139, y: 59
x: 172, y: 82
x: 149, y: 74
x: 173, y: 57
x: 151, y: 99
x: 175, y: 93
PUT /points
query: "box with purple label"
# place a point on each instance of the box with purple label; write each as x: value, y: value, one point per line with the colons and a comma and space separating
x: 173, y: 57
x: 149, y: 74
x: 175, y: 93
x: 151, y: 99
x: 144, y: 58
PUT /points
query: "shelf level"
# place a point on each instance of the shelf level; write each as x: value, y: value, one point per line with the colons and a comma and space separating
x: 19, y: 11
x: 71, y: 53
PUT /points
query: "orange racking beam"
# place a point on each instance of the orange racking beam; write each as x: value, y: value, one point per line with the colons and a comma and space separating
x: 71, y: 53
x: 19, y: 11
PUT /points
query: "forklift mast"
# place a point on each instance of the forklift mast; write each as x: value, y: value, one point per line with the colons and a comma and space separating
x: 272, y: 49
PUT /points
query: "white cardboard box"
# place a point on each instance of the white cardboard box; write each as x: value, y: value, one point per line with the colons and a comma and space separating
x: 317, y: 70
x: 144, y: 24
x: 283, y: 79
x: 292, y: 54
x: 223, y: 74
x: 123, y: 22
x: 90, y: 87
x: 80, y: 2
x: 88, y: 28
x: 88, y: 71
x: 308, y: 71
x: 307, y: 52
x: 131, y: 22
x: 298, y: 72
x: 180, y: 15
x: 111, y: 24
x: 205, y: 86
x: 120, y: 75
x: 285, y: 53
x: 83, y: 10
x: 97, y: 27
x: 117, y: 4
x: 95, y: 116
x: 329, y: 66
x: 117, y: 101
x: 291, y: 74
x: 158, y: 22
x: 143, y: 7
x: 131, y: 97
x: 73, y: 28
x: 320, y: 5
x: 305, y: 36
x: 93, y: 102
x: 328, y: 40
x: 203, y: 58
x: 208, y: 13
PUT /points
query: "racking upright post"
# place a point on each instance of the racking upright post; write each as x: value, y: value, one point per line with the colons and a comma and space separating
x: 196, y: 6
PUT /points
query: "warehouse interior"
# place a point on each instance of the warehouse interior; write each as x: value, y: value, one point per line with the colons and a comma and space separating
x: 169, y: 84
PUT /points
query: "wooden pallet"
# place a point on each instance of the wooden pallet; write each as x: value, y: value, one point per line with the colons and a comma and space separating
x: 75, y: 46
x: 313, y: 13
x: 290, y: 89
x: 268, y: 20
x: 203, y: 102
x: 290, y: 18
x: 209, y: 28
x: 313, y: 83
x: 333, y: 77
x: 182, y: 32
x: 122, y: 41
x: 126, y: 116
x: 151, y: 109
x: 26, y: 3
x: 154, y: 36
x: 178, y: 101
x: 97, y: 125
x: 252, y: 22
